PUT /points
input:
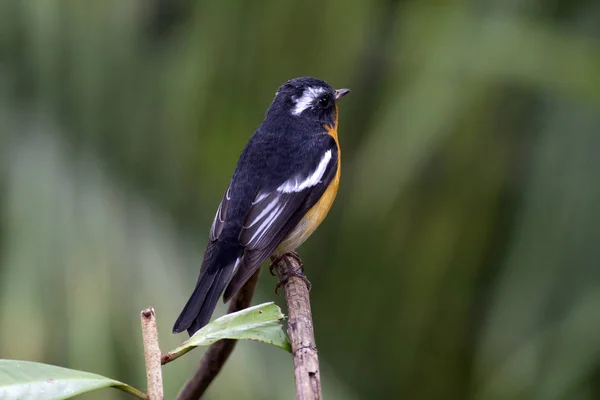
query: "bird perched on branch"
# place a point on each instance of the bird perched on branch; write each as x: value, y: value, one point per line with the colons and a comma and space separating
x: 283, y: 186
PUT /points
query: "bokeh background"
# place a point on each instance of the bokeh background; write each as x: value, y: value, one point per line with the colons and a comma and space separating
x: 460, y: 260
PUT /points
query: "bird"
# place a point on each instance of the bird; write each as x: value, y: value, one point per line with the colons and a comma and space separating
x: 283, y: 186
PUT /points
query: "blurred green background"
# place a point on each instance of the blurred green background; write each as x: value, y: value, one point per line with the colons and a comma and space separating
x: 460, y: 260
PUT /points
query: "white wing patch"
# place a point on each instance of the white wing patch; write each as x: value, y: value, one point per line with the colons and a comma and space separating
x: 292, y: 185
x: 270, y: 210
x: 260, y: 198
x: 264, y: 212
x: 219, y: 221
x: 236, y: 265
x: 257, y: 236
x: 305, y: 101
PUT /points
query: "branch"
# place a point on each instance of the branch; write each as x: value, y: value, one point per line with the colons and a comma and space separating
x: 300, y: 330
x: 218, y: 353
x: 152, y: 355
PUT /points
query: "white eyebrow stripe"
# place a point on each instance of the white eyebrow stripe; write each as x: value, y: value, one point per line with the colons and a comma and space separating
x: 308, y: 96
x: 292, y: 184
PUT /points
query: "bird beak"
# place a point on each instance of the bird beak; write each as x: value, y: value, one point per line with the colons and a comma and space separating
x: 341, y: 93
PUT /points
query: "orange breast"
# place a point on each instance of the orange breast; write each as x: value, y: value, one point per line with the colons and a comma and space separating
x: 318, y: 212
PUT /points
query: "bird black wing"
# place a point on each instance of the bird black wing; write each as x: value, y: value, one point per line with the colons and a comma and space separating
x: 279, y: 206
x: 277, y: 180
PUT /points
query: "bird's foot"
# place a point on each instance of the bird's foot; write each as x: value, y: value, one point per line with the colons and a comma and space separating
x: 277, y: 260
x: 290, y: 271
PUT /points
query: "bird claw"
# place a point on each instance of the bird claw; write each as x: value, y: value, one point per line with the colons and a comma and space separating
x: 272, y: 268
x: 290, y: 272
x: 277, y: 260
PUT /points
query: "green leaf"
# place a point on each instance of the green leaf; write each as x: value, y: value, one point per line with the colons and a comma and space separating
x: 26, y: 380
x: 261, y: 323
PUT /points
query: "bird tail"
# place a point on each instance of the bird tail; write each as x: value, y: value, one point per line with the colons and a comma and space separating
x: 219, y: 264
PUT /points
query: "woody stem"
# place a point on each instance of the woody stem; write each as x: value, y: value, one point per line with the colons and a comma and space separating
x: 300, y: 330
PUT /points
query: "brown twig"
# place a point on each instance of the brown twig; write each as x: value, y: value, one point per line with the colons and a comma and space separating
x: 152, y: 355
x: 218, y: 353
x: 300, y: 331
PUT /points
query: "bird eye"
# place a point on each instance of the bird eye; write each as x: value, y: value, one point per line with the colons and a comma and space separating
x: 324, y: 101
